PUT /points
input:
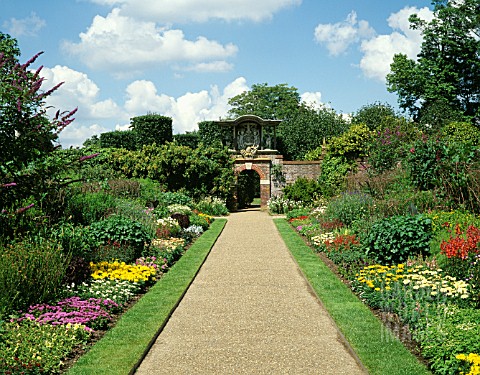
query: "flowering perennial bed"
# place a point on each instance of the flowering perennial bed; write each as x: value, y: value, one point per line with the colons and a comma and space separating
x: 438, y: 305
x: 39, y: 339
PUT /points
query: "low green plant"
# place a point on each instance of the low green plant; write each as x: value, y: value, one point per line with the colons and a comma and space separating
x: 212, y: 206
x: 30, y: 272
x: 74, y: 239
x: 394, y: 239
x: 86, y: 208
x: 168, y: 198
x: 30, y: 348
x: 123, y: 231
x: 282, y: 205
x: 452, y: 330
x: 199, y: 220
x: 297, y: 212
x: 351, y: 144
x: 348, y: 207
x: 304, y: 190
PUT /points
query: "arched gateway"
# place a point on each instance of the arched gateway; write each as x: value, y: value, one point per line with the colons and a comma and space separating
x: 253, y: 141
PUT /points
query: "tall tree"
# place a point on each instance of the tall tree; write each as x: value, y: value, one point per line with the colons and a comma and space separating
x: 445, y: 79
x: 277, y: 102
x: 374, y: 116
x: 307, y: 129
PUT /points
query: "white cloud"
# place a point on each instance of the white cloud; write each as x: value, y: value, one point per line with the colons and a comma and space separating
x: 119, y: 43
x: 378, y: 52
x: 214, y: 66
x: 96, y: 116
x: 77, y: 91
x: 174, y: 11
x: 339, y: 36
x: 312, y: 99
x: 75, y: 134
x: 187, y: 110
x: 29, y: 26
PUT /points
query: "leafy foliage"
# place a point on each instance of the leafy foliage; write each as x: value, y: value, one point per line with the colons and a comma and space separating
x: 447, y: 70
x: 307, y: 129
x: 30, y: 272
x: 460, y: 132
x: 334, y: 172
x: 31, y: 173
x: 118, y: 231
x: 387, y: 147
x: 349, y: 207
x: 304, y: 190
x: 375, y: 116
x: 199, y: 172
x: 351, y: 144
x: 189, y: 139
x: 394, y: 239
x: 277, y: 102
x: 152, y: 128
x: 119, y: 139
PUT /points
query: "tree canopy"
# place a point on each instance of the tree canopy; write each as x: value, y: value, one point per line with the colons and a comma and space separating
x: 444, y: 82
x: 277, y: 102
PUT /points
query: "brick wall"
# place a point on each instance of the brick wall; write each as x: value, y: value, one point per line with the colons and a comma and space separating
x: 295, y: 169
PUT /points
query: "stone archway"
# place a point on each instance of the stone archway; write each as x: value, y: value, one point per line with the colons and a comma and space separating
x: 262, y: 167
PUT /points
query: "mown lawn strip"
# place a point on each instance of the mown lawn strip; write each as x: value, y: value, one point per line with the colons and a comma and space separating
x: 377, y: 348
x: 121, y: 349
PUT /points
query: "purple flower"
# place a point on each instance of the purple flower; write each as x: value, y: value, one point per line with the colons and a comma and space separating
x: 23, y: 209
x: 89, y: 157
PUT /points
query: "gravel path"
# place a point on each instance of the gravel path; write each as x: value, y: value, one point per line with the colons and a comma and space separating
x: 250, y: 311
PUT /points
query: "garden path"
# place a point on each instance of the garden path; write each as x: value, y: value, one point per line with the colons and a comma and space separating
x: 250, y: 311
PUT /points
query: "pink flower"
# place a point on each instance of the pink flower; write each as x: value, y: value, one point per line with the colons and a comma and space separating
x: 412, y: 150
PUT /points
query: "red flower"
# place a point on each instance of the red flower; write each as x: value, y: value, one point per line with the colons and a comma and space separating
x: 462, y: 244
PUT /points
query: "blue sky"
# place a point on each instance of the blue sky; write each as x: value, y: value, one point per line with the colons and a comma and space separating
x: 185, y: 58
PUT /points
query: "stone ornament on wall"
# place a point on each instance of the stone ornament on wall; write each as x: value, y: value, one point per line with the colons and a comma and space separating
x: 249, y: 152
x: 248, y: 134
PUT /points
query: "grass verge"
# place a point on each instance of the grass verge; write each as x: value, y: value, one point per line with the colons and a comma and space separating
x: 376, y: 347
x: 123, y: 347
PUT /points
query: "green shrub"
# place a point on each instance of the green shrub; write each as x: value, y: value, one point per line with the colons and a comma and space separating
x: 75, y: 240
x: 349, y: 207
x: 126, y: 139
x: 152, y: 128
x: 122, y: 231
x: 85, y: 209
x: 30, y: 272
x: 304, y: 190
x: 333, y: 176
x: 212, y: 206
x: 460, y: 132
x: 386, y: 149
x: 123, y: 188
x: 168, y: 198
x: 352, y: 144
x: 422, y: 162
x: 297, y: 212
x: 201, y: 221
x: 394, y: 239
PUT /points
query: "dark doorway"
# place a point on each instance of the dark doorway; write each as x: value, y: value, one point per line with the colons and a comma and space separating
x: 248, y: 189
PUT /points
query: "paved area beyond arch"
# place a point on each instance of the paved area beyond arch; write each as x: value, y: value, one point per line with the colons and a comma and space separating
x: 250, y: 311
